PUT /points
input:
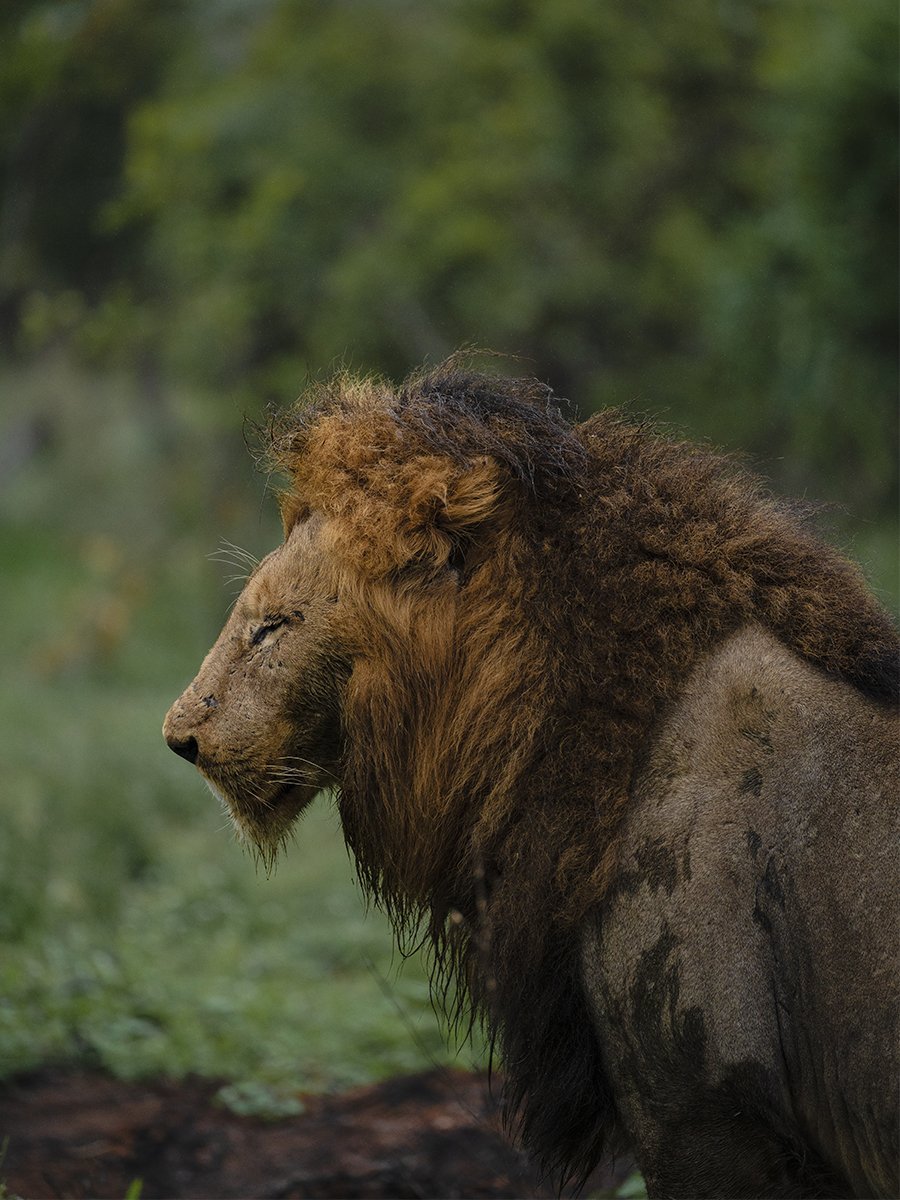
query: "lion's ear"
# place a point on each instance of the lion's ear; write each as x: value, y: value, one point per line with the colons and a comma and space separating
x: 472, y: 497
x: 469, y: 501
x: 426, y: 512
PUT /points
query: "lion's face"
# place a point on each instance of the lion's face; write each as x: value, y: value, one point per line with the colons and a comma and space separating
x: 261, y: 720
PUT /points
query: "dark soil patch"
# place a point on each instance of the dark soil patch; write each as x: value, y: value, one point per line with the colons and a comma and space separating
x: 432, y: 1135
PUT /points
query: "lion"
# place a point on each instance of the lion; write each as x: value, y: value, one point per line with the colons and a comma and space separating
x: 615, y: 733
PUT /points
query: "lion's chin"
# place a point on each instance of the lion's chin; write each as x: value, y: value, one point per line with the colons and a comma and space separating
x: 264, y: 823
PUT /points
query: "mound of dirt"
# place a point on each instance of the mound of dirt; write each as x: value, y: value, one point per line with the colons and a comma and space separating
x: 437, y: 1134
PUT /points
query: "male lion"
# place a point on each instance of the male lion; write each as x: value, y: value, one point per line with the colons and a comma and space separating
x: 621, y: 736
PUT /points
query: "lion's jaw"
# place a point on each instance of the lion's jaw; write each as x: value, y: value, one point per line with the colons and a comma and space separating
x: 261, y: 719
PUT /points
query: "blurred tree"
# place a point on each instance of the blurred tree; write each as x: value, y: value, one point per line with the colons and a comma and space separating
x: 802, y: 306
x: 690, y: 208
x: 69, y: 77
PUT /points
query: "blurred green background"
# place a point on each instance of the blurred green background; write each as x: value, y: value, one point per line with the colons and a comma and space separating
x: 689, y: 209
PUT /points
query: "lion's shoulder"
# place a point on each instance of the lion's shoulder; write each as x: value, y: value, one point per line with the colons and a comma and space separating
x: 754, y: 710
x: 768, y: 784
x: 756, y: 892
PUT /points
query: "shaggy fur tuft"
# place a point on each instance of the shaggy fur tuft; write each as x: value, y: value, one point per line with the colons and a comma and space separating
x: 530, y: 597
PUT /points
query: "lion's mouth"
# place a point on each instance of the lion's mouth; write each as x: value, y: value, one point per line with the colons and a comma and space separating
x: 285, y: 797
x: 292, y: 793
x: 260, y: 817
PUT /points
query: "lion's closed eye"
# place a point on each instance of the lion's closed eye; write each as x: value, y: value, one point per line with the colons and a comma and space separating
x: 268, y: 626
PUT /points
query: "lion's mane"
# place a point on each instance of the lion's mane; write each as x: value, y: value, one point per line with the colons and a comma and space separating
x: 490, y: 744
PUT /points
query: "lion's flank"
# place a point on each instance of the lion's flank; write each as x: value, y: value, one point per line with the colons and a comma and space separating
x: 530, y: 596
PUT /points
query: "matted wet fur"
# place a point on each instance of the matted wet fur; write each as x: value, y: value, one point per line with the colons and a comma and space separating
x: 525, y: 600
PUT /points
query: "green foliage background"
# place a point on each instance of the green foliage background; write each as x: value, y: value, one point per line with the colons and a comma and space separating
x: 689, y: 209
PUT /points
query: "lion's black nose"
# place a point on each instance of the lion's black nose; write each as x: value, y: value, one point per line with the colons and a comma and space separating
x: 187, y: 749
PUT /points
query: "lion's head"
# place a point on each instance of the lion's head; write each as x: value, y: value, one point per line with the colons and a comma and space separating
x: 395, y: 559
x: 476, y: 620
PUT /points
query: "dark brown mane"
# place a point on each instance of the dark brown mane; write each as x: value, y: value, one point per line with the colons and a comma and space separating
x: 530, y: 596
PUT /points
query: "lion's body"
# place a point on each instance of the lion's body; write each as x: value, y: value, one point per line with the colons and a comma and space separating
x: 483, y: 623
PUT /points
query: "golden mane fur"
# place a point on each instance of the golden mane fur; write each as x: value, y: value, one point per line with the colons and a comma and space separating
x: 530, y: 597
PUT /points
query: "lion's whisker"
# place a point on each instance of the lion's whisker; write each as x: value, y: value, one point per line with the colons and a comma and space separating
x: 236, y: 555
x: 316, y: 766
